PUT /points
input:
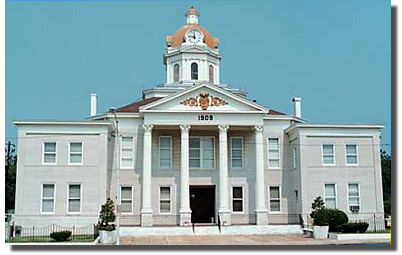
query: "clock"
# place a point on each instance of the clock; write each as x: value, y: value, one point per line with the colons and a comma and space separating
x: 194, y: 36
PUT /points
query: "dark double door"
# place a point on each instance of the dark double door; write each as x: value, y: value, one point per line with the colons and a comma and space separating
x: 202, y: 204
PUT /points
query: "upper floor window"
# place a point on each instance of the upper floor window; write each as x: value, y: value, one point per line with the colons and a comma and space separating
x: 127, y: 152
x: 273, y: 152
x: 49, y: 152
x: 176, y: 73
x: 328, y: 154
x: 165, y: 151
x: 202, y: 152
x: 330, y: 195
x: 351, y: 154
x: 211, y: 73
x: 194, y: 71
x: 237, y: 152
x: 48, y: 194
x: 75, y: 153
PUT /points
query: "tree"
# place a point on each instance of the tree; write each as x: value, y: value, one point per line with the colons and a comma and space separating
x: 107, y: 215
x: 317, y: 205
x: 10, y: 188
x: 386, y: 180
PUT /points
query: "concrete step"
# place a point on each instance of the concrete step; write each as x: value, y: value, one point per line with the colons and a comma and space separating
x: 206, y: 230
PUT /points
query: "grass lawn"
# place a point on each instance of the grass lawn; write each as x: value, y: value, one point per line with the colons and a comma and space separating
x: 47, y: 239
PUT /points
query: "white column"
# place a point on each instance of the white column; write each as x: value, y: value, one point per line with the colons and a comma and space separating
x: 185, y: 211
x: 260, y: 207
x: 146, y: 211
x: 224, y: 210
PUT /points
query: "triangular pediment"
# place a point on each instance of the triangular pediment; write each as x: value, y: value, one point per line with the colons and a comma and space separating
x: 204, y: 97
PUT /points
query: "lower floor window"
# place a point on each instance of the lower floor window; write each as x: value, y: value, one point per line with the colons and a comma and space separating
x: 274, y: 199
x: 237, y: 199
x: 330, y: 195
x: 165, y: 200
x: 126, y: 200
x: 74, y: 198
x: 48, y: 198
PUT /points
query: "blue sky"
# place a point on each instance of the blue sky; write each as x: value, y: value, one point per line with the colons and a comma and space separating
x: 335, y: 54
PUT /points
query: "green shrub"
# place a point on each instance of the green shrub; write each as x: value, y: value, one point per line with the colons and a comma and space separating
x: 354, y: 227
x: 107, y: 216
x: 321, y: 217
x: 60, y: 236
x: 110, y: 227
x: 318, y: 204
x: 336, y: 219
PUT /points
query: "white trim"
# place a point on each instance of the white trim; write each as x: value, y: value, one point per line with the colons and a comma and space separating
x: 170, y: 150
x: 68, y: 197
x: 340, y: 126
x: 333, y: 154
x: 132, y: 198
x: 43, y: 152
x: 55, y: 122
x: 358, y: 190
x: 69, y: 153
x: 54, y: 197
x: 201, y: 153
x: 242, y: 152
x: 242, y: 199
x: 336, y: 193
x: 170, y: 199
x: 346, y: 155
x: 279, y: 153
x: 278, y: 199
x: 200, y: 111
x: 121, y: 151
x: 214, y: 88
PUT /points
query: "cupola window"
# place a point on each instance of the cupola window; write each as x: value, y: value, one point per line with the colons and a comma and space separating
x: 211, y: 73
x: 194, y: 71
x: 176, y: 72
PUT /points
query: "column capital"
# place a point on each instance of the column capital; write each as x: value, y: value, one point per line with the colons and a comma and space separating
x: 184, y: 128
x: 147, y: 127
x: 223, y: 128
x: 259, y: 128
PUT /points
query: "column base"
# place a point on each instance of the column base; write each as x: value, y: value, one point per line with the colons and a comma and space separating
x: 262, y: 218
x: 146, y: 219
x: 225, y: 218
x: 185, y: 219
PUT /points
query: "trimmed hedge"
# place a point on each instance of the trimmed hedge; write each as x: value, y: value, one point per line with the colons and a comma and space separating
x: 354, y: 227
x: 60, y: 236
x: 333, y: 218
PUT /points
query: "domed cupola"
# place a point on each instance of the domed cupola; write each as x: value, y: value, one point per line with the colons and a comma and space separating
x: 192, y: 54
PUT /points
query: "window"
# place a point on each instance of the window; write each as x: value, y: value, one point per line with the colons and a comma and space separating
x: 49, y: 152
x: 237, y: 199
x: 194, y: 71
x: 328, y: 155
x: 295, y: 156
x: 74, y: 198
x: 330, y: 195
x: 126, y: 200
x: 273, y: 153
x: 211, y: 73
x: 176, y: 73
x: 351, y: 154
x: 75, y: 153
x: 354, y: 196
x: 202, y: 152
x: 48, y: 195
x: 165, y: 151
x: 274, y: 199
x: 237, y: 152
x: 127, y: 152
x: 164, y: 200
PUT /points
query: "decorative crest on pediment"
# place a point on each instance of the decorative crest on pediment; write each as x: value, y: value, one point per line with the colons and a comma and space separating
x: 204, y: 100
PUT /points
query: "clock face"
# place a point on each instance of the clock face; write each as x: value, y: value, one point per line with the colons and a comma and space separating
x: 194, y: 37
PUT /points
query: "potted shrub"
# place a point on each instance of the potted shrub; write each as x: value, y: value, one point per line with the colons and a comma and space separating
x: 107, y: 231
x: 321, y: 224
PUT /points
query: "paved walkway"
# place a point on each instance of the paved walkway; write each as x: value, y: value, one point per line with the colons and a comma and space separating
x: 292, y: 239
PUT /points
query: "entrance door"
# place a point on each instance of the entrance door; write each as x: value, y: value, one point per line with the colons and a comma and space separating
x: 202, y: 204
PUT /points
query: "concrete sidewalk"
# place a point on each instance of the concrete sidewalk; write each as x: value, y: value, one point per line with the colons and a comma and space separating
x: 290, y: 239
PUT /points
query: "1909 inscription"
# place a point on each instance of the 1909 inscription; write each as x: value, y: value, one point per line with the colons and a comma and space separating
x: 205, y: 117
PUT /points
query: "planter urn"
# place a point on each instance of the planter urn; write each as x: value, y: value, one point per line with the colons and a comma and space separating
x: 107, y: 236
x: 320, y: 232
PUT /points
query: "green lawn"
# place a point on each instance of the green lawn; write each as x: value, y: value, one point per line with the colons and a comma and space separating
x: 47, y: 239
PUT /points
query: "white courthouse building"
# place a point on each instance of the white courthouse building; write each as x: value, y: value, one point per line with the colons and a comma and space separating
x: 191, y: 151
